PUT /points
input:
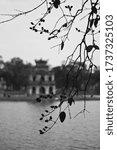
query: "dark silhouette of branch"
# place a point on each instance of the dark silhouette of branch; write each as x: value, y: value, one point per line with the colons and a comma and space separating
x: 14, y: 16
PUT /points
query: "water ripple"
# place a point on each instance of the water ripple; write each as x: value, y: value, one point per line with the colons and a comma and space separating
x: 19, y: 125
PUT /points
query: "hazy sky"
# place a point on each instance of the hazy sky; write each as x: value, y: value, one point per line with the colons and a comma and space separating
x: 17, y: 40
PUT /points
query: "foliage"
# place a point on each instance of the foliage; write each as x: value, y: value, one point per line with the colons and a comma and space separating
x: 16, y: 73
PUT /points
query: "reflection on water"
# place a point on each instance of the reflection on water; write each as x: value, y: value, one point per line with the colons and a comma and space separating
x: 19, y: 125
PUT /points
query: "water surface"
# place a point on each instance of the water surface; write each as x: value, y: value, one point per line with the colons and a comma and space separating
x: 19, y: 125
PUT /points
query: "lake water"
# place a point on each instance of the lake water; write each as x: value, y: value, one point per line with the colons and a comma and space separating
x: 19, y: 125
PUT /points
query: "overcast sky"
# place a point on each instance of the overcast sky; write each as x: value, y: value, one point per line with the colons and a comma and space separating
x: 17, y: 40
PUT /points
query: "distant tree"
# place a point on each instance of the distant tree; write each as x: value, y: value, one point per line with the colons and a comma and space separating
x: 16, y: 73
x: 82, y: 17
x: 61, y: 76
x: 1, y: 63
x: 95, y: 82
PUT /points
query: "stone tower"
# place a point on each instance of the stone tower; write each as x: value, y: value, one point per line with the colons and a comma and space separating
x: 41, y: 80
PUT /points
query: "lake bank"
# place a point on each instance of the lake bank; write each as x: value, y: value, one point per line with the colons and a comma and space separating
x: 33, y: 98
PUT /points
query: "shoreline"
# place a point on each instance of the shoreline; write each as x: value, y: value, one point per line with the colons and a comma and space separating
x: 33, y: 98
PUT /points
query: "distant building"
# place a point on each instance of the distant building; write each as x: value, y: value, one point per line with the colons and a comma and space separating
x: 41, y: 80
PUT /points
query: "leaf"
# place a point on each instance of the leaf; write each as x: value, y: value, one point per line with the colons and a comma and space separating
x: 56, y: 3
x: 96, y: 22
x: 65, y: 24
x: 91, y: 22
x: 62, y: 45
x: 38, y: 99
x: 41, y: 132
x: 94, y: 10
x: 70, y: 100
x: 50, y: 118
x: 42, y: 115
x: 36, y: 30
x: 46, y: 111
x: 32, y: 23
x: 89, y: 48
x: 62, y: 116
x: 46, y: 120
x: 55, y: 107
x: 52, y: 106
x: 96, y: 47
x: 41, y: 118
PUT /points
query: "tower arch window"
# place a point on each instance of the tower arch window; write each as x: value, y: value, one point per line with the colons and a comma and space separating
x: 50, y: 78
x: 34, y: 78
x: 51, y: 90
x: 33, y: 90
x: 42, y: 78
x: 42, y: 90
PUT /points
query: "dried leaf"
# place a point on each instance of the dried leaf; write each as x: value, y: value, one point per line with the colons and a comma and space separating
x: 38, y: 99
x: 89, y: 48
x: 96, y: 22
x: 91, y: 22
x: 62, y: 116
x: 50, y: 118
x: 70, y: 100
x: 41, y: 118
x: 96, y: 47
x: 41, y: 132
x: 46, y: 120
x: 65, y: 25
x: 32, y: 23
x: 62, y: 45
x: 46, y: 111
x: 94, y: 10
x: 56, y: 3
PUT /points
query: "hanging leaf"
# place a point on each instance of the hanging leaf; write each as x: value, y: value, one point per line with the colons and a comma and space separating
x: 46, y: 111
x: 42, y: 115
x: 46, y: 120
x: 32, y: 23
x: 50, y: 118
x: 89, y: 48
x: 41, y: 132
x: 94, y: 10
x: 62, y: 45
x: 56, y: 3
x: 41, y: 118
x: 38, y: 99
x: 91, y: 22
x: 46, y: 127
x: 96, y: 22
x: 62, y: 116
x: 65, y: 24
x: 55, y: 107
x: 96, y: 47
x: 70, y: 100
